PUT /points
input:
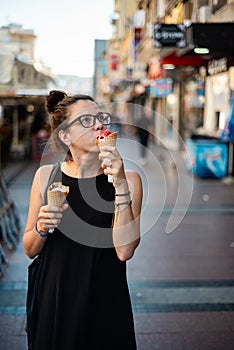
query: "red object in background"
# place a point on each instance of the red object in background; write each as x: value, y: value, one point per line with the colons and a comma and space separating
x: 155, y: 70
x: 114, y: 62
x: 190, y: 60
x: 137, y: 34
x: 38, y: 144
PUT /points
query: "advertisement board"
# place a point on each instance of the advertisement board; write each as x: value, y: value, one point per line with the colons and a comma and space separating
x: 161, y: 87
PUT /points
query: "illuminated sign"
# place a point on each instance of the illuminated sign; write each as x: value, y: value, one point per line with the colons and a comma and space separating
x: 169, y: 35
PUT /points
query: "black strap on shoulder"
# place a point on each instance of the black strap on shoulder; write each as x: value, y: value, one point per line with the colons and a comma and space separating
x: 53, y: 174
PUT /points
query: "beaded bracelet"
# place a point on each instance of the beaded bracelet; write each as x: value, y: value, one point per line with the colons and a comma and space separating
x: 122, y: 194
x: 122, y: 203
x: 43, y: 235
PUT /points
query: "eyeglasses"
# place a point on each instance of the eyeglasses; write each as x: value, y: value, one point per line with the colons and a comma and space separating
x: 89, y: 120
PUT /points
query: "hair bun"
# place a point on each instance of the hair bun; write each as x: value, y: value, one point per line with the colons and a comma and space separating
x: 53, y: 99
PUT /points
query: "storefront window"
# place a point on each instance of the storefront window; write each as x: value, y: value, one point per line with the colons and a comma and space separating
x: 217, y: 101
x: 193, y: 105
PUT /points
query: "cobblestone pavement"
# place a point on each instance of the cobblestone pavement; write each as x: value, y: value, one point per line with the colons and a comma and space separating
x: 181, y: 277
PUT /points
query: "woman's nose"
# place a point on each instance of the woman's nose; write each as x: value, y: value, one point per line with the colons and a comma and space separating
x: 98, y: 125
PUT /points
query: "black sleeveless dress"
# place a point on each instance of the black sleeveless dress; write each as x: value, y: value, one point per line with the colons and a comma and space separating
x: 83, y: 297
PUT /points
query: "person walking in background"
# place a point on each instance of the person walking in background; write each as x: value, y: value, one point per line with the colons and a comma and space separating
x: 82, y: 296
x: 141, y: 118
x: 143, y: 131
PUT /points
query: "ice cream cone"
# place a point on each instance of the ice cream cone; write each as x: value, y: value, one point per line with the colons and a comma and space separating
x: 56, y: 194
x: 109, y: 140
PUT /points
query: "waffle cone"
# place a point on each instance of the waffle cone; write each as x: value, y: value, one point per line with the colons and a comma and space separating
x: 57, y: 197
x: 109, y: 140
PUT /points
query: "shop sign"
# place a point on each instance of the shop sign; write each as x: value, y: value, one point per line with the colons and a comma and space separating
x: 161, y: 87
x: 218, y: 66
x: 169, y: 35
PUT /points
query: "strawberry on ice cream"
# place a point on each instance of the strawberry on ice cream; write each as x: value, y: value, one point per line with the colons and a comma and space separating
x: 107, y: 138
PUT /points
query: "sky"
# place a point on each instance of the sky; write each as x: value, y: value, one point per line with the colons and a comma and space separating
x: 65, y: 30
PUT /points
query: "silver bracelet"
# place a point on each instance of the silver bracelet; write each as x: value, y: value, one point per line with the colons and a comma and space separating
x: 123, y: 203
x: 122, y: 194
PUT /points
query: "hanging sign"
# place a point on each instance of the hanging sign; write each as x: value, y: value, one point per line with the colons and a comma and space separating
x: 217, y: 66
x: 169, y: 35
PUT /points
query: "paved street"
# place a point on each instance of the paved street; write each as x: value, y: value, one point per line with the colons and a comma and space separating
x: 181, y: 278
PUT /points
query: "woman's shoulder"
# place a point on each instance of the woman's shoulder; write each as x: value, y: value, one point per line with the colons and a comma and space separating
x: 42, y: 176
x: 44, y: 170
x: 40, y: 181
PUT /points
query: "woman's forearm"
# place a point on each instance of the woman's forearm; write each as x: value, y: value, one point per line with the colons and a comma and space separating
x: 33, y: 243
x: 126, y: 232
x: 126, y: 229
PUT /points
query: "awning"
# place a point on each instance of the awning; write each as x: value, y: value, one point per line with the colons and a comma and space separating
x: 218, y: 38
x: 176, y: 60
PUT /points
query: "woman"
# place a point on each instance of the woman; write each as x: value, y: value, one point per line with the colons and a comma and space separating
x: 82, y: 294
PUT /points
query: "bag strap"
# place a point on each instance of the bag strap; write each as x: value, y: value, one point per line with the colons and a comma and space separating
x: 53, y: 174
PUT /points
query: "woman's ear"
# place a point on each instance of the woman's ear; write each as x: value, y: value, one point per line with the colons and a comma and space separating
x: 65, y: 137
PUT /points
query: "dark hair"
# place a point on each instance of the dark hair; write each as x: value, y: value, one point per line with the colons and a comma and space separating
x: 57, y: 103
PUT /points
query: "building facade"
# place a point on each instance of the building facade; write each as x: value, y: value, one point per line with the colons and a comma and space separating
x: 189, y: 88
x: 22, y: 87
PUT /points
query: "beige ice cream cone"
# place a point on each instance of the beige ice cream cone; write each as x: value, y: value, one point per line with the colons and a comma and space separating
x: 109, y: 140
x: 56, y: 194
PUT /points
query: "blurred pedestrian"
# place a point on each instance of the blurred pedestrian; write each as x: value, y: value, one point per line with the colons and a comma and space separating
x: 81, y: 293
x: 141, y: 118
x: 144, y: 127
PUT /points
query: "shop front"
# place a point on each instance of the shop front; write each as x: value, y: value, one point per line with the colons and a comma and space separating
x: 201, y: 74
x: 21, y: 117
x: 217, y: 99
x: 184, y: 106
x: 212, y: 42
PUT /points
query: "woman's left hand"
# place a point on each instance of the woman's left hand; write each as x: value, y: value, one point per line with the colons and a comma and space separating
x: 112, y: 163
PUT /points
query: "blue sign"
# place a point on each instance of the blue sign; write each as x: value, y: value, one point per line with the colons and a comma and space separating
x: 228, y: 132
x: 161, y: 87
x: 209, y: 158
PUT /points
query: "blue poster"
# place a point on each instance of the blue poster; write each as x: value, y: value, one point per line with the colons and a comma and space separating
x: 209, y: 158
x: 161, y: 87
x: 228, y: 132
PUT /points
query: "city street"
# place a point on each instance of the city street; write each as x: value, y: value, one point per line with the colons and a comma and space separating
x: 181, y: 277
x: 160, y: 72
